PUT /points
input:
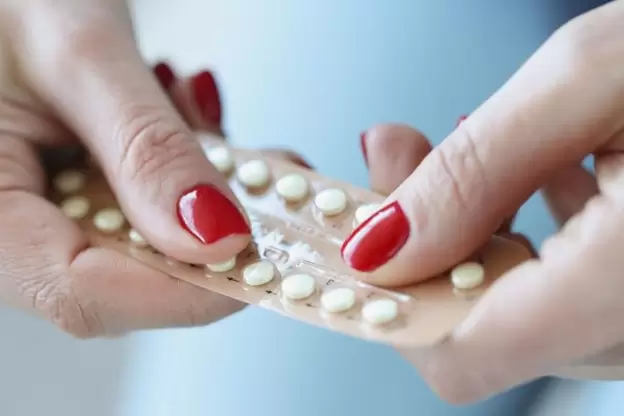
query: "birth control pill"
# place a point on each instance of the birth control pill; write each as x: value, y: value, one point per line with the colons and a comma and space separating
x: 298, y: 286
x: 338, y: 300
x: 69, y: 182
x: 364, y: 212
x: 258, y: 274
x: 467, y: 276
x: 253, y: 174
x: 76, y: 207
x: 331, y: 201
x: 380, y: 311
x: 136, y: 238
x: 221, y: 158
x: 109, y: 220
x: 226, y: 266
x: 293, y: 187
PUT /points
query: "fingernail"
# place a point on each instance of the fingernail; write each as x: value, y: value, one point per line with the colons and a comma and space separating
x: 165, y: 75
x: 461, y: 119
x: 207, y: 97
x: 363, y: 146
x: 209, y: 216
x: 377, y: 240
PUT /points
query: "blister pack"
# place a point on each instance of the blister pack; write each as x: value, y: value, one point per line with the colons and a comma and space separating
x: 293, y: 265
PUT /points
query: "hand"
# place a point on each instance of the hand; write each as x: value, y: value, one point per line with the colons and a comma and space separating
x: 565, y: 308
x: 70, y: 73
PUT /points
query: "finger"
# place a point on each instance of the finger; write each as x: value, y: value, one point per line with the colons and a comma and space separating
x: 392, y: 152
x: 164, y: 183
x: 197, y: 98
x: 49, y: 268
x: 507, y: 225
x: 568, y: 191
x: 199, y: 101
x: 539, y: 316
x: 90, y: 291
x: 465, y: 188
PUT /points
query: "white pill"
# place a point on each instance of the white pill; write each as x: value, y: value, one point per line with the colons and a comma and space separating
x: 226, y: 266
x: 381, y: 311
x: 136, y: 238
x: 298, y: 286
x: 254, y: 174
x: 293, y: 187
x: 221, y: 158
x: 338, y: 300
x: 258, y: 274
x: 331, y: 201
x: 76, y: 207
x: 69, y: 182
x: 364, y: 212
x: 468, y: 275
x: 109, y: 220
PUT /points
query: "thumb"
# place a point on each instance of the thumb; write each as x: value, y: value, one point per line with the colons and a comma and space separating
x: 102, y: 89
x: 494, y: 160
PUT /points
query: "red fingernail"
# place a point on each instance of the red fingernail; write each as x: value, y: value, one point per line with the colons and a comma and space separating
x: 461, y: 119
x: 377, y: 240
x: 209, y: 216
x: 363, y: 145
x: 207, y: 97
x: 165, y: 75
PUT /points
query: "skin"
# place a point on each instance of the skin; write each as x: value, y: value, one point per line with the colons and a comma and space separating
x: 87, y: 84
x: 561, y: 312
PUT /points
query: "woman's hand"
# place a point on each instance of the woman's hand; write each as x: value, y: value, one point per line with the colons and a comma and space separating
x: 559, y: 310
x: 70, y: 73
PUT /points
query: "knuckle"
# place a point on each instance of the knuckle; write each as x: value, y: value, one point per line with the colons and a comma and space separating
x: 70, y: 316
x: 150, y: 144
x: 461, y: 171
x: 55, y: 302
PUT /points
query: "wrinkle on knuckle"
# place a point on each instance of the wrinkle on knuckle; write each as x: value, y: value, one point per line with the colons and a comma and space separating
x: 150, y: 143
x: 460, y: 170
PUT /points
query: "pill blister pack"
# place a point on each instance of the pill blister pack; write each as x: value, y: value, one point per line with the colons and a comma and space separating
x: 293, y: 266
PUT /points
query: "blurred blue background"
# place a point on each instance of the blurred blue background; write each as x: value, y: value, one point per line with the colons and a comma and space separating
x: 309, y: 75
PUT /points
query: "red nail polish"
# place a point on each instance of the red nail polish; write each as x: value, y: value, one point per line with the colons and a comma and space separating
x: 207, y: 97
x: 363, y: 146
x: 461, y: 119
x: 165, y: 75
x: 209, y: 216
x: 377, y: 240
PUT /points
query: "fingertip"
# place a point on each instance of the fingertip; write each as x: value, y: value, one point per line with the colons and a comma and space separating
x: 392, y: 152
x: 165, y: 74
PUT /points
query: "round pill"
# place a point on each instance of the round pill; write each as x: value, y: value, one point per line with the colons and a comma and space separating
x: 381, y: 311
x: 364, y: 212
x: 298, y: 286
x: 338, y: 300
x: 258, y: 274
x: 69, y: 182
x: 331, y: 201
x: 221, y: 158
x: 226, y: 266
x: 253, y: 174
x: 109, y: 220
x: 136, y: 238
x: 76, y: 207
x: 293, y: 187
x: 467, y: 275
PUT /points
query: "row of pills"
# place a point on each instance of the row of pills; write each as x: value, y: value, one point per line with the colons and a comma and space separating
x: 292, y: 188
x: 465, y: 276
x: 301, y: 286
